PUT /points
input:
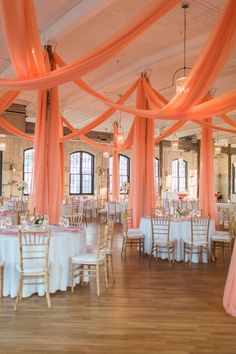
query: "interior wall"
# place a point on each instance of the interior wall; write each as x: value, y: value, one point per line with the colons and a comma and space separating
x: 13, y: 168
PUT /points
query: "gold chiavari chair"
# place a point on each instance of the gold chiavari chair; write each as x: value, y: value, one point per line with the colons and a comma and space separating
x: 224, y: 239
x: 165, y: 206
x: 76, y: 220
x: 92, y: 262
x: 198, y: 243
x: 33, y: 267
x: 161, y: 242
x: 131, y: 236
x: 109, y: 247
x: 1, y: 278
x: 101, y: 210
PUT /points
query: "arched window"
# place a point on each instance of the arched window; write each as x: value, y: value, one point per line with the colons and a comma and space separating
x: 28, y: 168
x: 124, y: 170
x: 156, y: 174
x: 179, y: 175
x: 81, y: 173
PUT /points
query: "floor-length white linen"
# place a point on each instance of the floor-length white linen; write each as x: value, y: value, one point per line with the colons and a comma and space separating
x: 179, y: 230
x: 63, y: 246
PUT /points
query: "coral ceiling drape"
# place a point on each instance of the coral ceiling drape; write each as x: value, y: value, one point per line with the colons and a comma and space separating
x: 22, y: 37
x: 142, y: 191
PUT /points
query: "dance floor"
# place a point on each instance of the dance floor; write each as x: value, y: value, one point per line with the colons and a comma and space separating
x: 155, y: 309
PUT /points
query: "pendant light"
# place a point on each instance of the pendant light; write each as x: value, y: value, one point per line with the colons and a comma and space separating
x: 180, y: 76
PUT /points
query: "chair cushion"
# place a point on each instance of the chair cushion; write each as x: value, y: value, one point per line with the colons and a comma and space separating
x: 102, y: 211
x: 32, y: 267
x: 87, y: 258
x: 163, y: 242
x: 196, y: 243
x: 221, y: 236
x: 135, y: 233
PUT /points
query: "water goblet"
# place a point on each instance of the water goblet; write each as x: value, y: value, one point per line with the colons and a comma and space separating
x: 61, y: 221
x: 66, y: 222
x: 8, y: 221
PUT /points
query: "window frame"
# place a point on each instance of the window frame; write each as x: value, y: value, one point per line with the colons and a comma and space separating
x: 81, y: 152
x: 178, y: 176
x: 233, y: 178
x: 23, y: 177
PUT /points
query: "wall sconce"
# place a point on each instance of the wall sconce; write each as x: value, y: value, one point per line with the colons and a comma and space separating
x: 3, y: 144
x: 217, y: 149
x: 175, y: 144
x: 106, y: 154
x: 12, y: 167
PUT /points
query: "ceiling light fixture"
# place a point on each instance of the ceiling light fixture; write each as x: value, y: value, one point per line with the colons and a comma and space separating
x: 180, y: 76
x: 106, y: 154
x: 3, y: 144
x: 175, y: 143
x: 120, y: 134
x: 217, y: 146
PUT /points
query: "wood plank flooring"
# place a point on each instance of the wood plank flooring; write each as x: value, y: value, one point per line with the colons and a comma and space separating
x: 154, y: 309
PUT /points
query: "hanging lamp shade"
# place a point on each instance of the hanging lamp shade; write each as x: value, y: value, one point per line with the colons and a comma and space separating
x: 3, y: 144
x: 175, y: 144
x: 120, y: 137
x: 106, y: 154
x: 180, y: 76
x: 217, y: 149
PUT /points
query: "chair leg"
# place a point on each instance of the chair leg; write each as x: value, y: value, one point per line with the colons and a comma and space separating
x: 123, y: 246
x: 98, y: 280
x: 20, y: 289
x: 112, y: 268
x: 106, y: 273
x: 150, y: 259
x: 72, y: 278
x: 47, y: 291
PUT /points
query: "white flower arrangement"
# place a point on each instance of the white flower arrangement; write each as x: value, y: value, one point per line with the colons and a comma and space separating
x: 22, y: 185
x: 39, y: 219
x: 125, y: 187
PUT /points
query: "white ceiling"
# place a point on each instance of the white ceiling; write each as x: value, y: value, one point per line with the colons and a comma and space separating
x: 77, y: 26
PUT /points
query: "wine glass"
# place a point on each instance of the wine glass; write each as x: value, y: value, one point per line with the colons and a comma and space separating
x: 45, y: 220
x: 61, y: 221
x: 8, y: 221
x: 3, y: 223
x: 65, y: 222
x: 23, y: 221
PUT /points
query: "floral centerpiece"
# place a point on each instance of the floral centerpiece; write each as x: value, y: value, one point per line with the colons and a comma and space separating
x: 125, y: 187
x: 182, y: 195
x: 38, y: 220
x: 21, y: 186
x: 180, y: 212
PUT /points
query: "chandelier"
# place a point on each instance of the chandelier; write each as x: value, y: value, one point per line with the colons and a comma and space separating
x: 3, y: 144
x: 106, y: 154
x: 217, y: 149
x: 120, y: 133
x: 217, y: 146
x: 180, y: 76
x: 175, y: 143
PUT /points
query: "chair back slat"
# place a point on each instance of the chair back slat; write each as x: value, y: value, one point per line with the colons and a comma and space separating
x: 160, y: 228
x: 34, y: 246
x: 200, y: 229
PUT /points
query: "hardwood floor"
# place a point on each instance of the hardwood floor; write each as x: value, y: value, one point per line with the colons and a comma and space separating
x: 157, y: 309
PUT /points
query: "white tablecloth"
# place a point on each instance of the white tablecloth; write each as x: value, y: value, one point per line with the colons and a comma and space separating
x: 63, y: 246
x: 179, y: 230
x: 230, y: 206
x: 66, y: 209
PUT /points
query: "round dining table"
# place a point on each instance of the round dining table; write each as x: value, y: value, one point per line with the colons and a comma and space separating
x: 180, y: 230
x: 64, y: 244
